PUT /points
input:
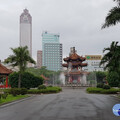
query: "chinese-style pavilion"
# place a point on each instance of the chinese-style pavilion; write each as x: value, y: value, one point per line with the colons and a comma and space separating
x: 4, y: 72
x: 74, y: 64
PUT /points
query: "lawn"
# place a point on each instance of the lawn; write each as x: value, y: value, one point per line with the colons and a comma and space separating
x: 11, y: 98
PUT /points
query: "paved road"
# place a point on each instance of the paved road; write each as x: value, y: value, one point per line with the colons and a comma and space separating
x: 71, y: 104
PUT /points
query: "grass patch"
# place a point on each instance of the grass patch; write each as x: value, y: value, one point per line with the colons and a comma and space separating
x: 11, y: 98
x: 48, y: 90
x: 102, y: 91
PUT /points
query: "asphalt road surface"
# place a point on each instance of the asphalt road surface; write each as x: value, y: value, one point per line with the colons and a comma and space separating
x: 71, y: 104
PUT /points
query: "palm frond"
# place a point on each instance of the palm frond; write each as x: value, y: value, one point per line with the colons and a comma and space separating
x: 112, y: 18
x: 20, y: 58
x: 118, y: 1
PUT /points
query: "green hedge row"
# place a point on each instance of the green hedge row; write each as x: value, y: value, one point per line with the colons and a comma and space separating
x: 102, y: 91
x: 47, y: 90
x: 22, y: 91
x: 16, y: 91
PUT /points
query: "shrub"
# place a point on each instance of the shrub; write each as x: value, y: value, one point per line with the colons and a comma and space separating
x: 18, y: 91
x: 0, y: 96
x: 94, y: 90
x: 119, y: 85
x: 15, y: 91
x: 102, y: 91
x: 23, y: 91
x: 47, y: 90
x: 4, y: 96
x: 100, y: 85
x: 110, y: 91
x: 28, y: 80
x: 106, y: 87
x: 8, y: 91
x: 41, y: 87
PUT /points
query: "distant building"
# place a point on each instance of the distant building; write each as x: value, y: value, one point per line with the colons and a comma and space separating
x: 39, y: 59
x: 52, y: 51
x: 53, y: 56
x: 93, y: 63
x: 72, y: 50
x: 26, y: 30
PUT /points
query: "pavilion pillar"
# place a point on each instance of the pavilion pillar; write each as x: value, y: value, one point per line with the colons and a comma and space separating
x: 6, y: 81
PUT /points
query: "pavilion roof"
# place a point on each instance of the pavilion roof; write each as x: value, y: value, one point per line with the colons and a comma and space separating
x: 75, y: 64
x: 74, y: 57
x: 4, y: 70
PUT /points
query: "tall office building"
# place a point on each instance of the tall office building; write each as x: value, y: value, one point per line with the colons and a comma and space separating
x: 26, y: 30
x: 52, y: 51
x: 39, y: 59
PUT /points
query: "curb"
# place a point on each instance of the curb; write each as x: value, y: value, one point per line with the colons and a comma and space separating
x: 16, y: 101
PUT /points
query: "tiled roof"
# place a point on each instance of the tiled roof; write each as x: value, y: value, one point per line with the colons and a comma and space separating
x: 73, y: 57
x: 4, y: 70
x: 75, y: 64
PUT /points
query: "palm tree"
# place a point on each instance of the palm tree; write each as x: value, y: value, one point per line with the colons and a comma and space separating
x: 113, y: 16
x: 112, y: 57
x: 20, y: 58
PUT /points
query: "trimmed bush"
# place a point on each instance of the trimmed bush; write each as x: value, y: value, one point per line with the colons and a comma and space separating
x: 4, y: 96
x: 102, y: 91
x: 18, y: 91
x: 45, y: 91
x: 28, y: 80
x: 110, y: 91
x: 8, y: 91
x: 119, y: 85
x: 23, y: 91
x: 106, y: 87
x: 94, y: 90
x: 100, y: 85
x: 15, y: 91
x: 0, y: 96
x: 41, y: 87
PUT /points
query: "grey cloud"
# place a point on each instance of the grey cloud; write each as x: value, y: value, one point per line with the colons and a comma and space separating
x: 78, y: 22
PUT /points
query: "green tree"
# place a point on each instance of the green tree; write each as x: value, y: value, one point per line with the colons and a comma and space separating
x: 28, y: 80
x: 20, y: 58
x: 113, y: 16
x: 113, y: 79
x: 111, y: 59
x: 100, y: 76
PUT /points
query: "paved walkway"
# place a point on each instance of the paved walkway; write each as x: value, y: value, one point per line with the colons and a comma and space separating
x: 71, y: 104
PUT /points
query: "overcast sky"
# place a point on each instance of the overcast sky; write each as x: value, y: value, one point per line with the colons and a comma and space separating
x: 77, y: 21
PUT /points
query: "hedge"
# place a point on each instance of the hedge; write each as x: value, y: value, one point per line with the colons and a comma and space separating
x: 16, y: 91
x: 47, y: 90
x: 102, y: 91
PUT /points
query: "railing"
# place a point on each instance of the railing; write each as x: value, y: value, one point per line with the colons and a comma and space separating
x: 4, y: 86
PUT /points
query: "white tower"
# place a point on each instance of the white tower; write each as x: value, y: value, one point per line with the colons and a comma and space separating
x: 26, y: 30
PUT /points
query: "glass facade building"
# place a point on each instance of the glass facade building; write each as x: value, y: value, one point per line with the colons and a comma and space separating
x: 52, y: 51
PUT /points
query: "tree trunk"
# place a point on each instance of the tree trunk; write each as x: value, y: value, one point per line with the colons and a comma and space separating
x: 19, y: 81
